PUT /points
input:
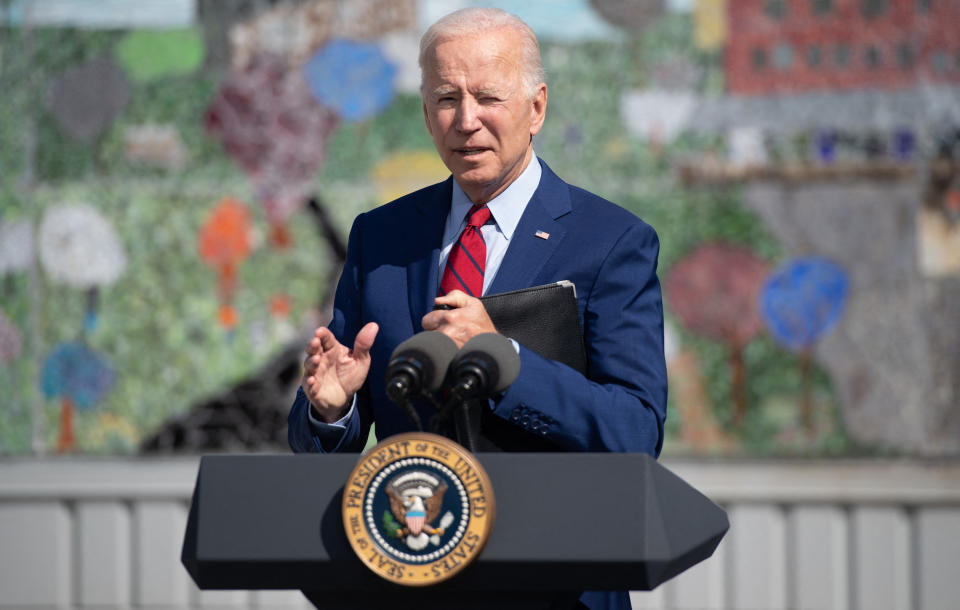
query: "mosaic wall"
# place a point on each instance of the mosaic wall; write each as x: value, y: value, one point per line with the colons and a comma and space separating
x: 177, y: 180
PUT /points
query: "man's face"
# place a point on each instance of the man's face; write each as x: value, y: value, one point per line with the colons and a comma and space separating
x: 478, y: 112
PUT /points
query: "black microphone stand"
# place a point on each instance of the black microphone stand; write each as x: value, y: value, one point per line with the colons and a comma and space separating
x: 466, y: 404
x: 411, y: 413
x: 397, y: 392
x: 466, y: 418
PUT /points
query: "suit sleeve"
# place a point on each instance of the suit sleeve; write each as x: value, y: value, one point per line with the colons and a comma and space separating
x: 346, y: 322
x: 621, y: 404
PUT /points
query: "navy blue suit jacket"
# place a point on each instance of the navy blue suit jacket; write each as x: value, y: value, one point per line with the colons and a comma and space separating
x: 391, y: 277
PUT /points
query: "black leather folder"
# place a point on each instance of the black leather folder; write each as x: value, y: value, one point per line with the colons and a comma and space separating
x: 544, y: 319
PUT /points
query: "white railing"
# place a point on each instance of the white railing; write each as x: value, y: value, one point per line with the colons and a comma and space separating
x: 85, y: 533
x: 830, y: 535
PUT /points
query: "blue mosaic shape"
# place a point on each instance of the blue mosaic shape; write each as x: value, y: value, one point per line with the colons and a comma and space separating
x: 76, y: 371
x: 803, y: 300
x: 353, y: 78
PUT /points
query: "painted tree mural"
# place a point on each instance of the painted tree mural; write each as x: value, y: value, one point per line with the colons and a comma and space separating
x: 709, y: 121
x: 801, y: 301
x: 713, y: 291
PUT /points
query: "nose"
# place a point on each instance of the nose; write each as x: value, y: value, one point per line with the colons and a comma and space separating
x: 468, y: 119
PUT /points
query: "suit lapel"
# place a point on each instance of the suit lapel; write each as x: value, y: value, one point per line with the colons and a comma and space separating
x: 528, y: 249
x: 426, y: 233
x: 525, y: 256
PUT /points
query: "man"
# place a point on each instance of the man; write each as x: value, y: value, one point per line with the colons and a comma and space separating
x: 484, y: 98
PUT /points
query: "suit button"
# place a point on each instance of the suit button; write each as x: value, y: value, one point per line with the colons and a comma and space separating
x: 535, y: 426
x: 525, y: 421
x: 515, y: 416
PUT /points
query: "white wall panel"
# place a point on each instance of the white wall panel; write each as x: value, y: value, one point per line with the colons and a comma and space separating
x: 938, y: 561
x: 36, y: 555
x: 219, y: 599
x: 104, y: 540
x: 648, y: 600
x: 882, y: 558
x: 702, y: 586
x: 758, y: 553
x: 819, y: 558
x: 161, y: 580
x: 280, y: 600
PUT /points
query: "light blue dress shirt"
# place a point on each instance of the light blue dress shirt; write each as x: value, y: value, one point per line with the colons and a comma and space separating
x: 505, y: 212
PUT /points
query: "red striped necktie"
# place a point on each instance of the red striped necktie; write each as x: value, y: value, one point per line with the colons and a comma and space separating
x: 468, y: 257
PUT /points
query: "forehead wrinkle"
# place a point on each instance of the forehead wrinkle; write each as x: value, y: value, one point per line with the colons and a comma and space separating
x: 490, y: 90
x: 486, y: 89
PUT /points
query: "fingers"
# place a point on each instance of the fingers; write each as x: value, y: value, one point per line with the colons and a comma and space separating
x: 327, y: 340
x: 455, y: 298
x: 364, y: 340
x: 310, y: 362
x: 327, y: 380
x: 313, y: 346
x: 320, y: 345
x: 322, y: 341
x: 440, y: 318
x: 452, y: 301
x: 467, y: 318
x: 432, y: 320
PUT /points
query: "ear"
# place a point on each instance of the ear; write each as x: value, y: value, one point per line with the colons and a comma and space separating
x: 538, y: 109
x: 426, y: 119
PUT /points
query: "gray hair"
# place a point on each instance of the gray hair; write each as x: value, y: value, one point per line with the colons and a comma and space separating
x: 471, y: 21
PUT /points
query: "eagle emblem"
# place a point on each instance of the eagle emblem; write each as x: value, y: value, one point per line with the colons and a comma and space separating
x: 416, y: 500
x: 417, y: 508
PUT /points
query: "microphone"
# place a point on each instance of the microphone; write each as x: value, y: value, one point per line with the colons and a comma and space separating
x: 419, y: 364
x: 485, y: 365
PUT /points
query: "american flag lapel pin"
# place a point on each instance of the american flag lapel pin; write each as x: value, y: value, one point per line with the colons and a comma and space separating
x: 542, y: 234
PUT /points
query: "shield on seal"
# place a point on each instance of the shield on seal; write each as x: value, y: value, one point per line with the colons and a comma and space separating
x: 415, y: 518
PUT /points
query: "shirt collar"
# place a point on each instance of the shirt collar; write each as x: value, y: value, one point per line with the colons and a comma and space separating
x: 507, y: 207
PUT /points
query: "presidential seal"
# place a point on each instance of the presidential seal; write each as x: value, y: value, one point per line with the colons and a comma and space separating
x: 417, y: 509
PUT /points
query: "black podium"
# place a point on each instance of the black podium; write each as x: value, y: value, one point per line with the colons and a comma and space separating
x: 565, y: 522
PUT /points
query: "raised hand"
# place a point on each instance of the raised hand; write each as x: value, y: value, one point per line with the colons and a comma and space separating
x: 332, y: 374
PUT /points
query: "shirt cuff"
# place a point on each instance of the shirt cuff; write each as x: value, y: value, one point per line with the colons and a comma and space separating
x: 330, y: 434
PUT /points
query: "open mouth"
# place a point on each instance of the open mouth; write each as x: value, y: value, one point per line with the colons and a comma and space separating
x: 470, y: 152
